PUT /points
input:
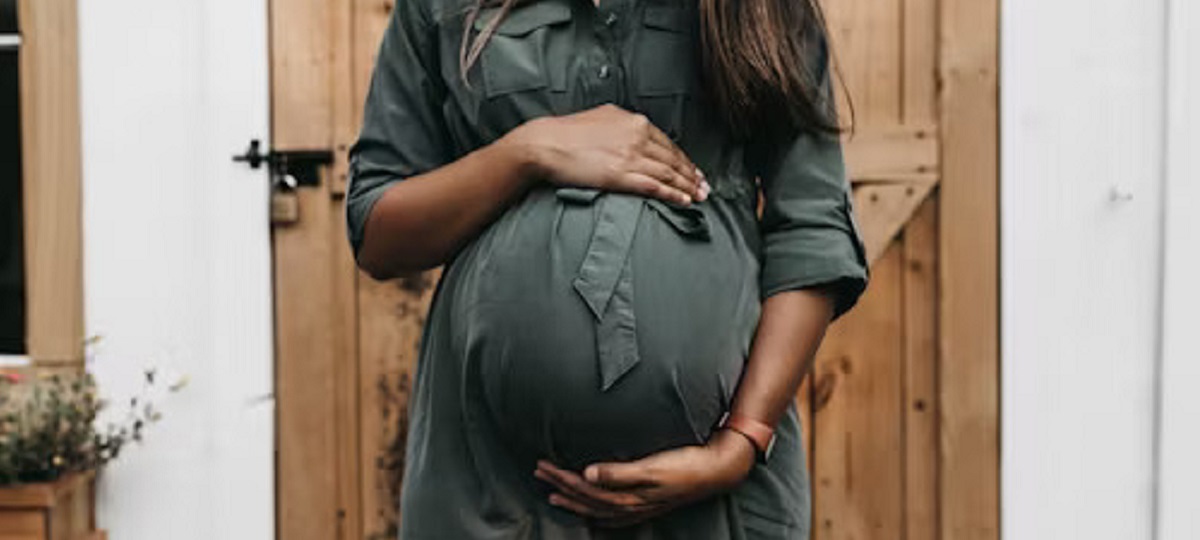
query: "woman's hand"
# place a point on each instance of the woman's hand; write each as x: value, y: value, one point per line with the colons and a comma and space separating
x: 609, y: 148
x: 622, y: 494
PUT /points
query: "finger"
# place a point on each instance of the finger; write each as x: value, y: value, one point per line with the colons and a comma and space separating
x: 674, y: 157
x: 666, y: 174
x: 689, y: 168
x: 633, y: 519
x: 568, y: 503
x: 565, y: 488
x: 576, y: 486
x: 648, y: 186
x: 680, y: 175
x: 619, y: 475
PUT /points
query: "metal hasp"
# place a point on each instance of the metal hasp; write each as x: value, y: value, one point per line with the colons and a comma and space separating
x: 301, y: 165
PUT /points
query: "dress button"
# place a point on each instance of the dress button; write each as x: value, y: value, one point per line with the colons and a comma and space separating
x: 603, y: 71
x: 610, y: 19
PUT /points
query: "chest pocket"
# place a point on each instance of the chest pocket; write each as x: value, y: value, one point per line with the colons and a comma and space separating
x: 665, y: 65
x: 516, y: 58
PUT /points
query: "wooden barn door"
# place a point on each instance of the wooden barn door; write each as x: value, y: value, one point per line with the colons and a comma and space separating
x: 903, y: 403
x: 902, y: 407
x: 346, y: 344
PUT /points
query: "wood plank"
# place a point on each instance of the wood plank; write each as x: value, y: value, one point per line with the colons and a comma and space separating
x: 892, y: 151
x: 882, y: 28
x: 302, y: 113
x: 392, y: 315
x: 920, y: 62
x: 969, y: 328
x: 921, y: 496
x: 97, y: 535
x: 858, y: 402
x: 867, y: 47
x: 44, y: 495
x: 308, y: 350
x: 23, y: 525
x: 804, y: 409
x: 313, y: 349
x: 39, y: 496
x: 348, y: 399
x: 883, y: 211
x: 370, y: 20
x: 51, y: 158
x: 343, y: 95
x: 72, y: 517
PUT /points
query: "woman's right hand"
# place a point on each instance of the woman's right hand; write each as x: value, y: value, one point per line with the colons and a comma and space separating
x: 610, y: 148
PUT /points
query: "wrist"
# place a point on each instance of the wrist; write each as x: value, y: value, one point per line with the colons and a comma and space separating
x: 522, y: 145
x: 736, y: 449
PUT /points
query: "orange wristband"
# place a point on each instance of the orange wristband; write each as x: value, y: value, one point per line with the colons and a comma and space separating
x: 762, y: 435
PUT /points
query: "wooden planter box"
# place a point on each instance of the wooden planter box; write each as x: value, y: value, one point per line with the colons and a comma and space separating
x: 62, y: 510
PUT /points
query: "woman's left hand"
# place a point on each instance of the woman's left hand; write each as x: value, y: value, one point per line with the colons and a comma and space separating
x: 622, y: 494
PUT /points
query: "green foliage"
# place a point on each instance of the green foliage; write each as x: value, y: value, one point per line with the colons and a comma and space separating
x: 48, y: 426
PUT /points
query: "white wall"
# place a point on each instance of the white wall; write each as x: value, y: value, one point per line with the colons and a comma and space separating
x: 1101, y: 355
x: 177, y: 259
x: 1082, y: 119
x: 1179, y: 446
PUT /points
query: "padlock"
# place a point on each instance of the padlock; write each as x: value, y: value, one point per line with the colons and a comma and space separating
x: 285, y: 207
x: 285, y: 202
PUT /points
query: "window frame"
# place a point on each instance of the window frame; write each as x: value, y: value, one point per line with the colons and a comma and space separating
x: 51, y: 183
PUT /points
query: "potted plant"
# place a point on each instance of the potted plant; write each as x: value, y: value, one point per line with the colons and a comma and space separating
x: 51, y: 448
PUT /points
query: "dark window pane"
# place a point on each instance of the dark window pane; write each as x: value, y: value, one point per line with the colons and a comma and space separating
x: 8, y: 16
x: 12, y: 265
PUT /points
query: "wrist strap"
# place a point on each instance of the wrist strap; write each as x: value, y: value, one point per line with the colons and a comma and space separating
x: 759, y: 433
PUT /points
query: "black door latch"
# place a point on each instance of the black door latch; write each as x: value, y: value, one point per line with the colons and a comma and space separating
x: 291, y: 167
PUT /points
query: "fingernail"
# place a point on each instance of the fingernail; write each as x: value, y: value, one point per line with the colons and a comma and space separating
x: 699, y: 172
x: 705, y: 188
x: 555, y: 500
x: 591, y: 474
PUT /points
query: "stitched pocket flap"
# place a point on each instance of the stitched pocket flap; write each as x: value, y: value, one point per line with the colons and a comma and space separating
x: 665, y: 18
x: 524, y: 19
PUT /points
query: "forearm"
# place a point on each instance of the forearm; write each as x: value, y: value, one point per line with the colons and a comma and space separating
x: 789, y: 332
x: 420, y: 222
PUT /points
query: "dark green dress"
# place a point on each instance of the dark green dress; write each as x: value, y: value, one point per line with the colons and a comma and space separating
x: 582, y: 325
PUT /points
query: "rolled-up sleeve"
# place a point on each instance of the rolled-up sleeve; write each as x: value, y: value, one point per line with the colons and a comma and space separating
x: 809, y: 233
x: 403, y: 133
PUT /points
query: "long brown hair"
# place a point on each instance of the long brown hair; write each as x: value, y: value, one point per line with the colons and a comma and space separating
x: 767, y: 63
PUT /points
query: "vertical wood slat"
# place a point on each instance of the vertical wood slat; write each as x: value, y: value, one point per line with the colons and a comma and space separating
x: 307, y: 357
x: 391, y: 316
x: 921, y: 495
x: 59, y: 510
x: 348, y: 368
x: 804, y: 409
x: 316, y: 362
x: 867, y: 44
x: 969, y: 322
x: 51, y: 159
x: 920, y: 42
x: 858, y: 415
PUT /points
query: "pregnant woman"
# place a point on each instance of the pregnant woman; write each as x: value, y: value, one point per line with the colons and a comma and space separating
x: 617, y: 336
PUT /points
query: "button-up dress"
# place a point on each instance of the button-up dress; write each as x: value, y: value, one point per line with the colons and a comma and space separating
x: 580, y: 325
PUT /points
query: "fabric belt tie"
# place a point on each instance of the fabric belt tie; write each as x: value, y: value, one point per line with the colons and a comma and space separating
x: 605, y: 278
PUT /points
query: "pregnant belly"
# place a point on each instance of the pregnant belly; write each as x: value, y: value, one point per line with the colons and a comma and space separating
x: 606, y: 330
